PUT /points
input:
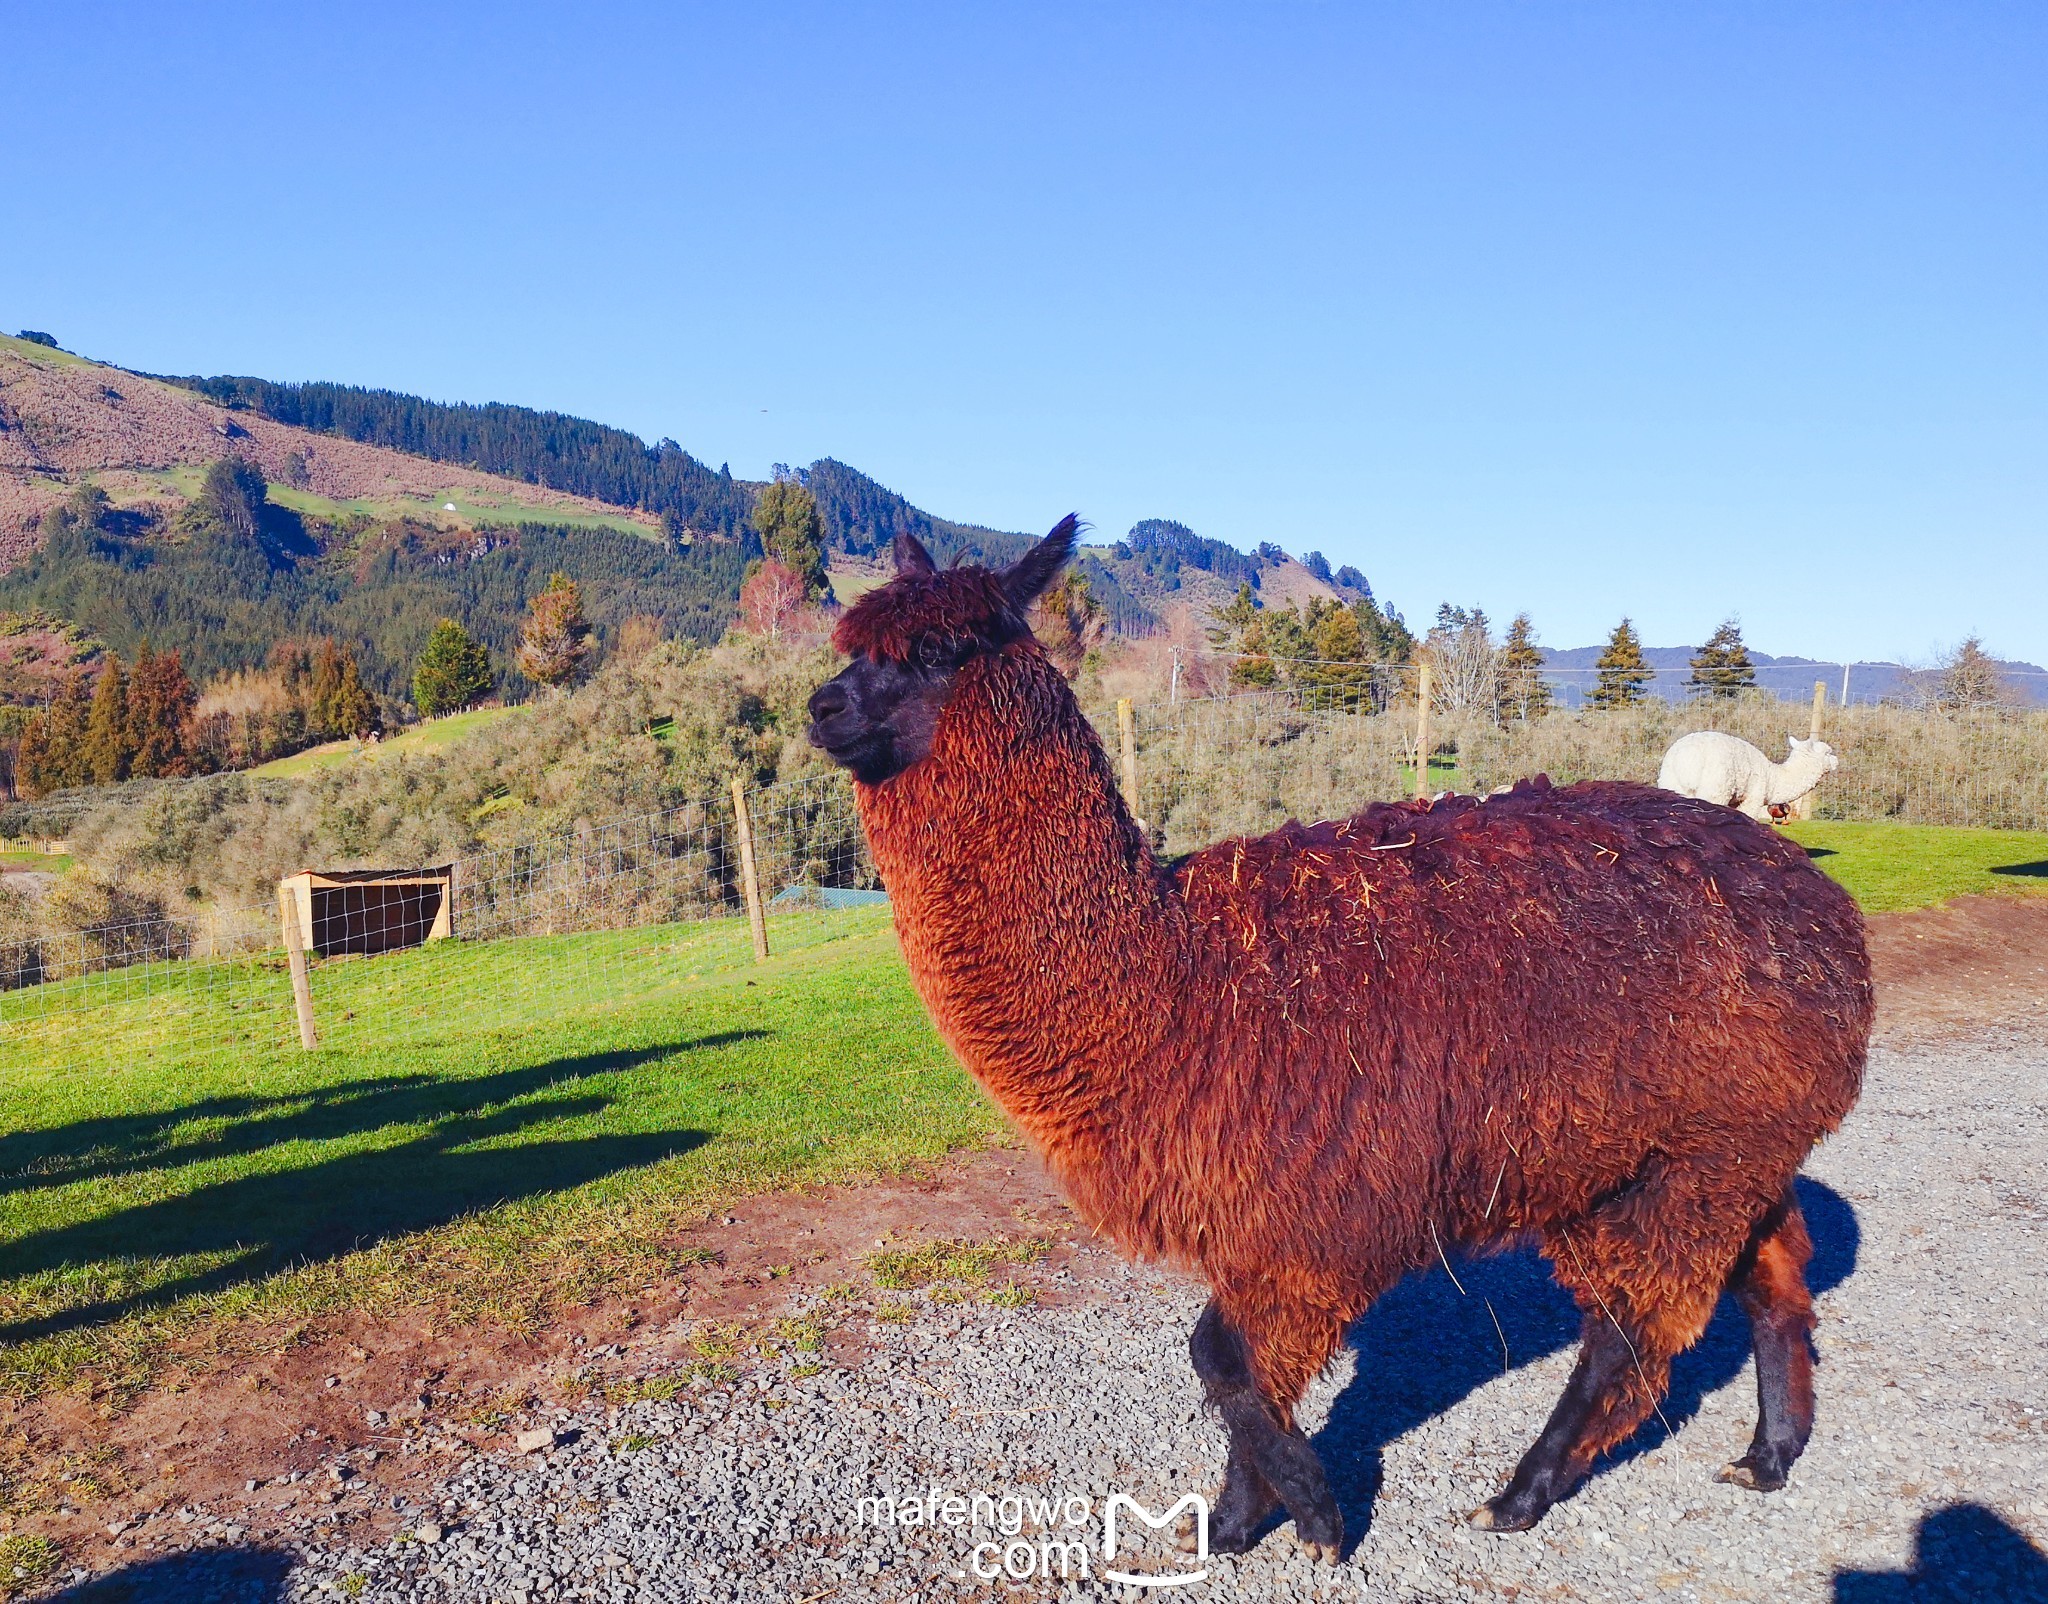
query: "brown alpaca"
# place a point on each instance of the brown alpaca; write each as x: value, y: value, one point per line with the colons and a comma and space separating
x: 1601, y: 1018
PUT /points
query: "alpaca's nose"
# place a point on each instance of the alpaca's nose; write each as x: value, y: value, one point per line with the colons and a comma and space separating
x: 828, y: 699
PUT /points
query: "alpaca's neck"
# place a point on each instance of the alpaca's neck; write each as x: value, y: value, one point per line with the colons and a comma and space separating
x: 1790, y: 780
x: 1030, y: 910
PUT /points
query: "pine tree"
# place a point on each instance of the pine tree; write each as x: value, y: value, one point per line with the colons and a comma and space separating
x: 108, y: 748
x: 66, y: 720
x: 32, y: 773
x: 555, y: 640
x: 1722, y: 666
x: 792, y: 531
x: 1624, y: 674
x: 233, y: 493
x: 1524, y: 693
x: 351, y: 709
x: 452, y: 673
x: 160, y: 704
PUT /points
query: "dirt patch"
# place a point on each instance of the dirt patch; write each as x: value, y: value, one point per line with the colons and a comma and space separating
x: 1954, y: 969
x: 336, y: 1427
x: 390, y: 1403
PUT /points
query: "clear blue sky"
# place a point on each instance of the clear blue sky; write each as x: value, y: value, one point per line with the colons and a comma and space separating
x: 1589, y: 309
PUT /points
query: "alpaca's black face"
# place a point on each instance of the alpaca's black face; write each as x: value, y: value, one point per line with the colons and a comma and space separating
x: 908, y: 640
x: 877, y: 718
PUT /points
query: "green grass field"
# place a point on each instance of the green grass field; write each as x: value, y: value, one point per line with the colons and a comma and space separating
x: 499, y: 1132
x: 469, y: 510
x: 46, y: 862
x: 1889, y: 867
x: 428, y: 736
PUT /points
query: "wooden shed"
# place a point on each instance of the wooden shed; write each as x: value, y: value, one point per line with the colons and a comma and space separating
x: 366, y: 910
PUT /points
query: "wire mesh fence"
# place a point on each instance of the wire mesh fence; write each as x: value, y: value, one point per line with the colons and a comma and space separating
x: 587, y: 916
x: 1211, y: 768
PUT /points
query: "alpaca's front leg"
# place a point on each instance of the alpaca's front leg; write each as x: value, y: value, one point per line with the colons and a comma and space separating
x: 1270, y: 1463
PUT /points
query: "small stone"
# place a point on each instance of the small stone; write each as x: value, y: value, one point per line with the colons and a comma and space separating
x: 251, y: 1486
x: 428, y: 1531
x: 117, y: 1527
x: 540, y: 1439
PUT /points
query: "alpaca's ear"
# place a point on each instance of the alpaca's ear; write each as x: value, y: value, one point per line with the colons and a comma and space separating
x: 1041, y: 565
x: 911, y: 557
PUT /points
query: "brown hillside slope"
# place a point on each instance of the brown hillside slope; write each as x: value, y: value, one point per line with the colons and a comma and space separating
x: 62, y: 418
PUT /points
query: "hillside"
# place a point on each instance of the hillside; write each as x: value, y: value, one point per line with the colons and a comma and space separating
x: 144, y: 441
x: 386, y: 511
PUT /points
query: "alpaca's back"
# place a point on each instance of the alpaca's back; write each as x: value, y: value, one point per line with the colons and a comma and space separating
x: 1550, y: 984
x: 1717, y: 767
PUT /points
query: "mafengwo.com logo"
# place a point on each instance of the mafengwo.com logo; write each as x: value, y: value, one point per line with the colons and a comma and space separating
x: 1020, y: 1537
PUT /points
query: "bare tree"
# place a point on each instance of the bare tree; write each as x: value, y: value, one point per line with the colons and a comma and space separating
x: 1464, y: 664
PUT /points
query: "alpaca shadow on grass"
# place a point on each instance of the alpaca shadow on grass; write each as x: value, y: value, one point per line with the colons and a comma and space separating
x: 1965, y: 1553
x: 123, y: 1144
x: 222, y: 1576
x: 1424, y: 1346
x: 2033, y: 871
x: 258, y: 1223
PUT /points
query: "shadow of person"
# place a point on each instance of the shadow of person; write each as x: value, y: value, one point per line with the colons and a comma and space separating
x: 240, y: 1575
x: 1965, y: 1553
x: 2032, y: 871
x: 1426, y: 1345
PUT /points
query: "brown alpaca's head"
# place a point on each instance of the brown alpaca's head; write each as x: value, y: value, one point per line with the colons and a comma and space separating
x: 910, y: 639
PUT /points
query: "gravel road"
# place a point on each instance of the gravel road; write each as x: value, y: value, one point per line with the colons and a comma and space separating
x: 1927, y: 1476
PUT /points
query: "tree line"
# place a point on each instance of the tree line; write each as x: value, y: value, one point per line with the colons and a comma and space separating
x: 230, y: 574
x: 551, y: 449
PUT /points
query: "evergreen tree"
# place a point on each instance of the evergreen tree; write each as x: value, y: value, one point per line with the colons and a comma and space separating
x: 1624, y: 674
x: 32, y: 758
x: 555, y: 641
x: 232, y: 495
x: 160, y: 704
x: 792, y: 531
x: 452, y: 672
x: 108, y: 747
x: 1387, y: 638
x: 69, y: 709
x: 1524, y: 693
x: 1234, y: 621
x: 1722, y: 666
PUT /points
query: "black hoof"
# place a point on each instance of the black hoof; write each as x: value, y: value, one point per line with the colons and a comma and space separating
x: 1506, y: 1514
x: 1759, y: 1473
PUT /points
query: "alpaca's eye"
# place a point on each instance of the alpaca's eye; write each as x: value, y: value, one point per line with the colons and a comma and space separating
x: 937, y: 654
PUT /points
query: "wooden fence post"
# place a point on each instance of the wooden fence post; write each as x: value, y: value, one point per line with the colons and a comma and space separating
x: 1422, y: 694
x: 295, y: 955
x: 1803, y: 808
x: 750, y: 881
x: 1127, y: 737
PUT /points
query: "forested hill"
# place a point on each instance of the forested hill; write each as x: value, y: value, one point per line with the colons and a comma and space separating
x: 542, y: 448
x: 562, y: 452
x: 861, y: 518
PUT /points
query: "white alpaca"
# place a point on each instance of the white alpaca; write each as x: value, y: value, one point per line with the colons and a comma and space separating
x: 1722, y: 768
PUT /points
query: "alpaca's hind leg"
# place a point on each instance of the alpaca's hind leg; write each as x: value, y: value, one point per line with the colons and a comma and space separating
x: 1597, y: 1397
x: 1270, y: 1462
x: 1646, y: 1267
x: 1770, y: 1284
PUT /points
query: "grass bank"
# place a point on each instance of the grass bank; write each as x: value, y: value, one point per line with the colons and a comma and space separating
x: 428, y: 736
